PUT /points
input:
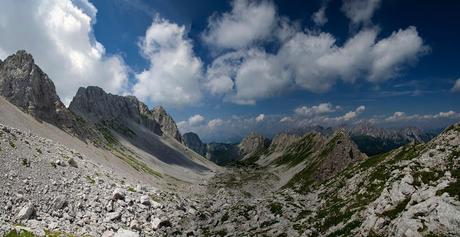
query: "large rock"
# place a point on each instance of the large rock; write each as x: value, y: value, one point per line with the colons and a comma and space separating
x: 118, y: 194
x: 193, y: 141
x: 125, y: 233
x: 26, y: 211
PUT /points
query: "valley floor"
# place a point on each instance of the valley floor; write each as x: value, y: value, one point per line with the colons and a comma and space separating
x: 49, y: 189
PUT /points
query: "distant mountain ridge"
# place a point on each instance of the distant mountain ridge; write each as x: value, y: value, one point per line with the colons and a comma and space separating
x: 370, y: 139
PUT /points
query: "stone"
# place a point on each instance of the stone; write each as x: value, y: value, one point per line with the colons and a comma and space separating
x: 145, y: 200
x: 155, y: 223
x: 125, y: 233
x: 59, y: 202
x: 118, y: 194
x: 26, y: 212
x: 111, y: 216
x: 108, y: 233
x: 72, y: 163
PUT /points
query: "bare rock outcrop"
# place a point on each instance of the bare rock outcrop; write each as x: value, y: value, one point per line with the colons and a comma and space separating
x: 95, y: 105
x: 25, y: 85
x: 252, y: 144
x: 193, y: 141
x: 338, y: 153
x: 282, y: 141
x: 167, y: 124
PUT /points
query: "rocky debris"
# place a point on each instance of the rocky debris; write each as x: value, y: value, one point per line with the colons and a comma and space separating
x: 252, y: 144
x: 25, y: 85
x: 411, y: 191
x: 193, y: 141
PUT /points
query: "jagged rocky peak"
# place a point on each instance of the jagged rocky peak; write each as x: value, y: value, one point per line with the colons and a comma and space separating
x: 253, y: 143
x: 95, y: 105
x: 25, y: 85
x: 193, y: 141
x: 167, y: 124
x: 338, y: 153
x: 282, y: 141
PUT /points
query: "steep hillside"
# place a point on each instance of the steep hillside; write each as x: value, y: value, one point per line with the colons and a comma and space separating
x: 126, y: 134
x: 127, y: 123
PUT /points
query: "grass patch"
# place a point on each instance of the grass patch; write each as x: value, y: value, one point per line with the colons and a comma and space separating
x: 346, y: 230
x: 108, y: 136
x: 21, y: 233
x: 224, y: 217
x: 298, y: 152
x: 25, y: 162
x: 393, y: 213
x: 454, y: 188
x: 425, y: 177
x: 276, y: 208
x: 131, y: 189
x: 136, y: 163
x: 90, y: 179
x: 49, y: 233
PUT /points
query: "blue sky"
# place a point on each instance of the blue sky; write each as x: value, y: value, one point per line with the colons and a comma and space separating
x: 224, y: 68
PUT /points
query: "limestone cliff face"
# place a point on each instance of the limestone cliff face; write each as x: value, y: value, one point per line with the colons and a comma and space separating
x: 25, y: 85
x: 338, y: 153
x: 95, y: 105
x: 252, y: 144
x: 282, y: 141
x: 193, y: 141
x: 167, y: 124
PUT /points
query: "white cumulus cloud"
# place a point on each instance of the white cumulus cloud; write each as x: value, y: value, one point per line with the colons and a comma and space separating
x: 175, y: 73
x: 315, y: 110
x: 319, y: 17
x: 247, y: 23
x: 59, y: 34
x: 196, y: 119
x: 260, y: 118
x: 360, y: 11
x: 456, y: 87
x: 314, y: 62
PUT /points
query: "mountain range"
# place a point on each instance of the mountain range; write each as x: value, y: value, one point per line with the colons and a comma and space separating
x: 110, y: 166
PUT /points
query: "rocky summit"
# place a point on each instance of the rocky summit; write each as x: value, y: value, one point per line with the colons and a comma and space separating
x: 25, y: 85
x: 136, y: 175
